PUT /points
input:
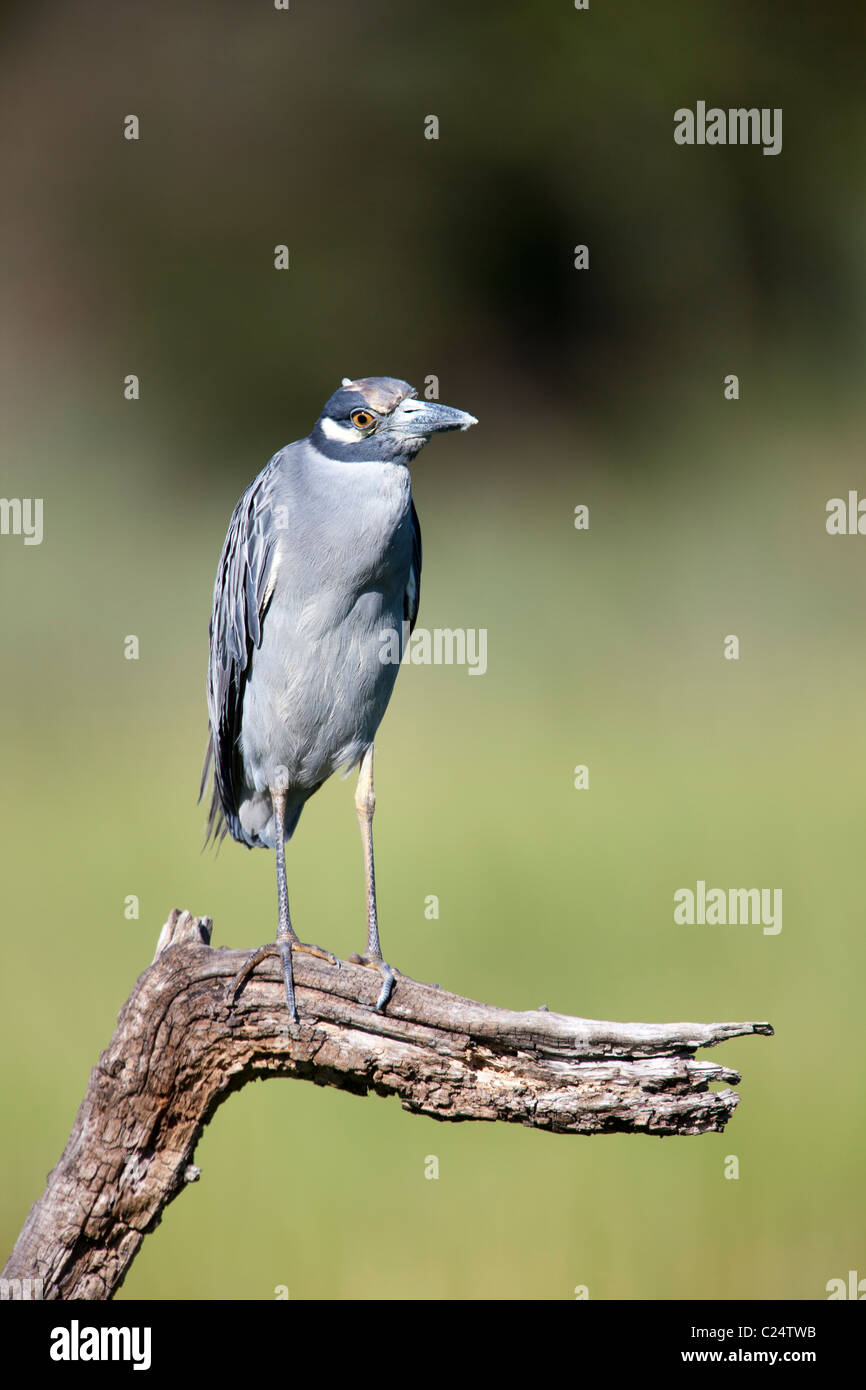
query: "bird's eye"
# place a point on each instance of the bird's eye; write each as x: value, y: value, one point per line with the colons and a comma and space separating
x: 362, y: 419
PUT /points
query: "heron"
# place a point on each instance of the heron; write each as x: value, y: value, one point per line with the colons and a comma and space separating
x: 321, y: 563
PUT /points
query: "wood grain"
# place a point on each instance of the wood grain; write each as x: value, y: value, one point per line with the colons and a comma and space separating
x: 181, y: 1048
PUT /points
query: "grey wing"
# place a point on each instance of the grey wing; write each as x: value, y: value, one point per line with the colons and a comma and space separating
x: 412, y: 597
x: 243, y: 588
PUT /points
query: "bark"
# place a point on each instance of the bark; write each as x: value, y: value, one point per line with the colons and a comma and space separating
x: 181, y: 1047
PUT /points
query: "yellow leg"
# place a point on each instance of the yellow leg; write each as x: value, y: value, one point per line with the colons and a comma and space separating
x: 365, y: 804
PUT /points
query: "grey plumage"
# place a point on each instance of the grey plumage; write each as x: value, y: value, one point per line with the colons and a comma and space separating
x: 321, y: 560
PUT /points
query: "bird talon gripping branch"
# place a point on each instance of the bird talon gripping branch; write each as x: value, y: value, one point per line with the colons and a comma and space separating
x: 276, y: 948
x: 322, y: 557
x: 387, y: 988
x: 389, y: 977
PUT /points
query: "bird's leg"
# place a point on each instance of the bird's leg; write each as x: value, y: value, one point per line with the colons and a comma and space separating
x: 287, y: 940
x: 285, y: 931
x: 365, y: 804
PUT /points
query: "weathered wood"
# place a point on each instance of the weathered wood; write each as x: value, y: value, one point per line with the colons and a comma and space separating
x: 180, y: 1049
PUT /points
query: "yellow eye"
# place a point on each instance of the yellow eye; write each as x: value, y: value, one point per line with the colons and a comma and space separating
x: 362, y: 419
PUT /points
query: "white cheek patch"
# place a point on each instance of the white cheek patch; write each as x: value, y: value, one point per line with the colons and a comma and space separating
x: 342, y: 434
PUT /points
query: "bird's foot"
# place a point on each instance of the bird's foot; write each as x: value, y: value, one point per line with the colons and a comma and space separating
x: 307, y: 949
x: 389, y: 978
x: 277, y: 948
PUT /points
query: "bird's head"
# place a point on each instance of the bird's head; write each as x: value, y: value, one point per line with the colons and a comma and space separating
x: 381, y: 418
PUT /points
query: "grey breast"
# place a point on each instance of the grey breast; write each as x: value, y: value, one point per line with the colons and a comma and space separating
x: 317, y: 686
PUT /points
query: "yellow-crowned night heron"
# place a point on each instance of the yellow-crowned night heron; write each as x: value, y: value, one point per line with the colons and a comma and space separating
x: 320, y: 566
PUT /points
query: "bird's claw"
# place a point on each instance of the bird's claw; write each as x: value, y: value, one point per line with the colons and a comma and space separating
x: 318, y: 951
x: 389, y: 977
x: 273, y: 948
x: 246, y: 970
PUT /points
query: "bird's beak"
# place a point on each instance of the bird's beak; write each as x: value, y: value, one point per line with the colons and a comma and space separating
x: 414, y: 418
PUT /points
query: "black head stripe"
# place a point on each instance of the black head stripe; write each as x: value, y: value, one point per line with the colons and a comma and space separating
x: 380, y: 393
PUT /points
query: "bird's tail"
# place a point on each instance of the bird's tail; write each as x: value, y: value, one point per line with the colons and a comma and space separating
x: 217, y: 827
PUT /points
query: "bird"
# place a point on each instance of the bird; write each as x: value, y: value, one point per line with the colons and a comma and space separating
x: 321, y: 563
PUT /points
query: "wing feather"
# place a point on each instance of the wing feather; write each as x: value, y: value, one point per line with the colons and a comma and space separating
x: 412, y: 597
x: 244, y: 584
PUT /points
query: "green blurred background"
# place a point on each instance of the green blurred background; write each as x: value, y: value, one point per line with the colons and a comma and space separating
x: 412, y: 257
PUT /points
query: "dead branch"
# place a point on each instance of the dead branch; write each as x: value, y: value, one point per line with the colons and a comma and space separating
x: 179, y: 1050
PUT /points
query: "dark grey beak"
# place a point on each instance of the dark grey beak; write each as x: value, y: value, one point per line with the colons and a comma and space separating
x: 414, y: 418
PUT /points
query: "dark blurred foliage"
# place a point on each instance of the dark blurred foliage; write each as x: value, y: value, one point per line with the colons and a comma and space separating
x: 412, y: 256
